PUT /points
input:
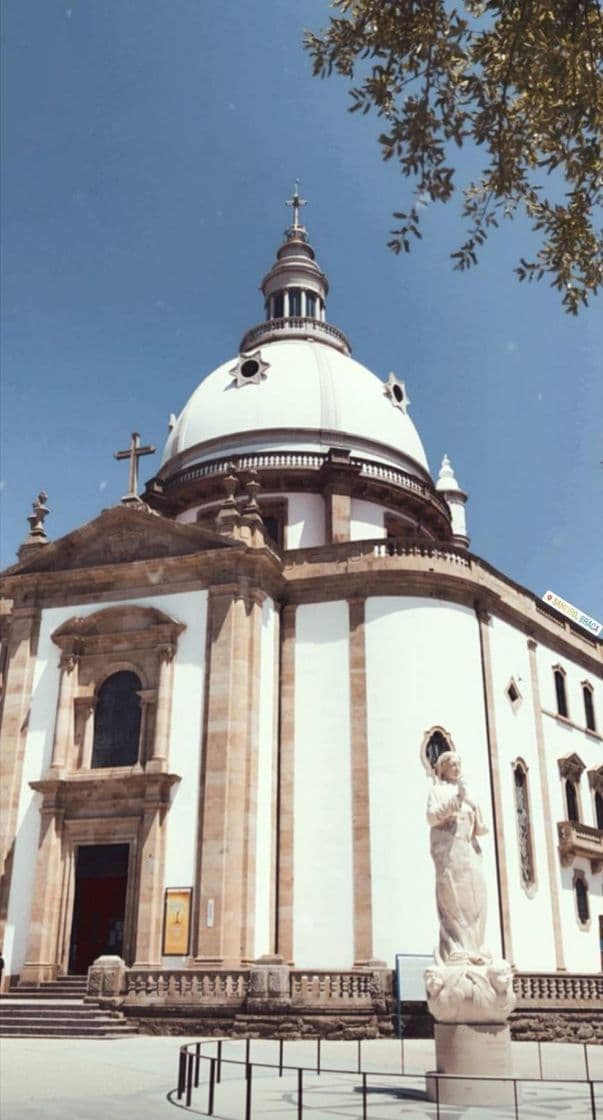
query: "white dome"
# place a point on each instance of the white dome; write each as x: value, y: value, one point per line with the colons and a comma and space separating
x: 312, y: 397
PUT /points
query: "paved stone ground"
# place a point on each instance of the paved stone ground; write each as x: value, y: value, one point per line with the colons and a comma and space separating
x: 115, y: 1079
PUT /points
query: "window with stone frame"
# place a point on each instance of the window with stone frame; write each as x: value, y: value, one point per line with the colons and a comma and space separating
x: 560, y: 692
x: 435, y: 742
x: 523, y: 820
x: 589, y: 706
x: 582, y: 899
x: 117, y: 721
x: 599, y: 810
x: 114, y: 688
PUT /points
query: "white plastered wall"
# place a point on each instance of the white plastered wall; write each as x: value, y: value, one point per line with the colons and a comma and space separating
x: 189, y: 608
x: 366, y: 520
x: 530, y: 912
x: 323, y: 875
x: 306, y: 527
x: 265, y: 834
x: 423, y: 670
x: 580, y: 945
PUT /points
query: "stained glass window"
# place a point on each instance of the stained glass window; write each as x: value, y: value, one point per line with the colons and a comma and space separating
x: 524, y: 827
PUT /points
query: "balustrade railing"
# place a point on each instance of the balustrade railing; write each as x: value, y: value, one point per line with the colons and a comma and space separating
x: 542, y: 987
x: 295, y: 325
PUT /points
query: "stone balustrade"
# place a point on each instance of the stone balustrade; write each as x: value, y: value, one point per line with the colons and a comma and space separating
x: 271, y: 981
x: 577, y: 839
x: 548, y: 989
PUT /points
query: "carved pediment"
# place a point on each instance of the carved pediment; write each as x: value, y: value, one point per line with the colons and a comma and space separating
x: 571, y: 766
x: 122, y: 535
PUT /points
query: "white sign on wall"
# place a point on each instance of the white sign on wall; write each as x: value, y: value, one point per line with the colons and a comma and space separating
x: 569, y: 611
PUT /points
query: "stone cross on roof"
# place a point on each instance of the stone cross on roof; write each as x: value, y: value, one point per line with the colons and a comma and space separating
x: 133, y: 453
x: 296, y: 203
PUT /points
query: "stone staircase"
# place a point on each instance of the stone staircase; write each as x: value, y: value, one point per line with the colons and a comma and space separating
x: 56, y: 1009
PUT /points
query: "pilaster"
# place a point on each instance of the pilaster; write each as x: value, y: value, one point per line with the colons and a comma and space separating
x: 284, y: 902
x: 163, y: 708
x: 151, y: 874
x: 552, y: 877
x: 41, y: 958
x: 227, y: 832
x: 363, y: 917
x: 483, y: 619
x: 64, y: 723
x: 20, y: 660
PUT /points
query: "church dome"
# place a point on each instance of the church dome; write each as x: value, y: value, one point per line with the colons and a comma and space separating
x: 294, y: 386
x: 295, y: 394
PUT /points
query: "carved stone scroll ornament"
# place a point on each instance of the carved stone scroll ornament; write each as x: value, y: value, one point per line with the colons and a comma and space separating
x: 466, y: 984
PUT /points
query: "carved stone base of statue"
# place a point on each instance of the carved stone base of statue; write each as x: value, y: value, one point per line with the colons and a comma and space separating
x: 465, y: 992
x: 471, y: 1004
x: 481, y: 1052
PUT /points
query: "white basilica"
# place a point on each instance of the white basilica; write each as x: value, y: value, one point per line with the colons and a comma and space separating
x: 224, y: 699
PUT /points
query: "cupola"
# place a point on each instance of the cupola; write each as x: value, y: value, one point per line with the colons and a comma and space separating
x: 295, y: 292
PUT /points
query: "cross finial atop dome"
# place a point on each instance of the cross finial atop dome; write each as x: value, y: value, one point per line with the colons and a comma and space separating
x: 296, y: 202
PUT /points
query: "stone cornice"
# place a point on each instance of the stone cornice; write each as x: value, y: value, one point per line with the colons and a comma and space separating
x: 375, y: 568
x: 117, y: 785
x: 110, y: 582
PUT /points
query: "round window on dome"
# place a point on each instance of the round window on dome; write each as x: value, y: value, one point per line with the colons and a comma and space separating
x: 398, y: 393
x: 249, y: 368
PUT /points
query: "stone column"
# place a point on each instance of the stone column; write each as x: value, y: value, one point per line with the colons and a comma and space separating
x: 63, y: 728
x: 285, y: 841
x: 483, y: 618
x: 552, y: 868
x: 42, y: 947
x: 22, y: 644
x: 225, y: 832
x: 361, y: 836
x: 163, y: 708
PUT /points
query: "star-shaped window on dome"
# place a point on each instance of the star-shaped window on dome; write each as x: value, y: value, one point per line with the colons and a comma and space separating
x: 249, y: 369
x: 395, y: 390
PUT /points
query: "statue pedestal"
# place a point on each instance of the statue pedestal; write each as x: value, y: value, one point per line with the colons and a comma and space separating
x: 476, y: 1050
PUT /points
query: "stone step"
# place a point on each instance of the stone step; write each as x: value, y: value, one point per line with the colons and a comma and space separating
x: 45, y: 994
x: 48, y: 1030
x: 54, y: 1014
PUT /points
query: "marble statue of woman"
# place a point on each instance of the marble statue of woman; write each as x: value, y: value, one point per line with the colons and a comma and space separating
x: 456, y: 821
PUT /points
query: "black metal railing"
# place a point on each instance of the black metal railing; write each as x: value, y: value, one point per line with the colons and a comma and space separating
x: 209, y: 1056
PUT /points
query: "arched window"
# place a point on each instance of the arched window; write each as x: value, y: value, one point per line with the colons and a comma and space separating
x: 524, y: 825
x: 436, y: 744
x: 571, y: 799
x: 599, y: 809
x: 560, y: 692
x: 117, y: 721
x: 279, y: 306
x: 589, y: 707
x: 310, y: 305
x: 582, y: 905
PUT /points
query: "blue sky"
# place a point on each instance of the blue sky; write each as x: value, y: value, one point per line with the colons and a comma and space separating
x: 149, y: 146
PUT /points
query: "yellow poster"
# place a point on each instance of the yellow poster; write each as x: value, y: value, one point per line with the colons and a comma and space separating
x: 177, y: 921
